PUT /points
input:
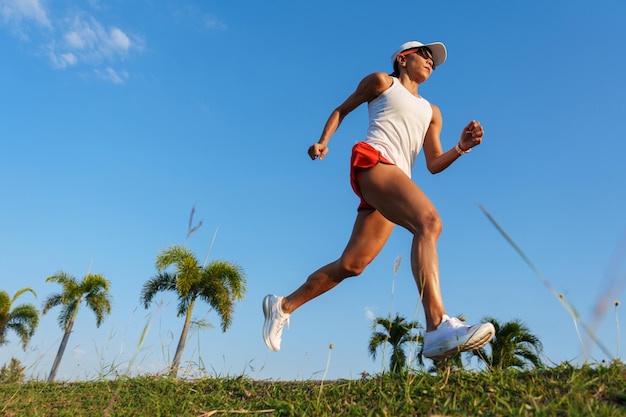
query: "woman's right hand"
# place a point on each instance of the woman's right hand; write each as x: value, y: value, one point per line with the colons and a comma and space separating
x: 317, y: 150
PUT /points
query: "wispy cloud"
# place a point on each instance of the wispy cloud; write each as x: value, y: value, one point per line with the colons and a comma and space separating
x: 76, y: 39
x: 212, y: 22
x: 91, y: 42
x: 192, y: 15
x: 24, y: 18
x: 109, y: 74
x: 18, y: 11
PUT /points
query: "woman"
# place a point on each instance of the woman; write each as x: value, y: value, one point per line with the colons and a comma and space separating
x: 401, y: 123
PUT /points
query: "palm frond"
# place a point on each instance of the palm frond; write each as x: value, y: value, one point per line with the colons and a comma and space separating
x: 25, y: 313
x: 5, y: 301
x: 161, y: 282
x: 100, y: 304
x: 398, y: 331
x: 172, y: 255
x: 22, y: 291
x: 52, y: 301
x: 229, y: 274
x: 513, y: 346
x: 188, y: 270
x: 67, y: 312
x: 376, y: 340
x: 23, y: 320
x: 67, y: 281
x: 222, y: 283
x: 94, y: 283
x: 183, y: 304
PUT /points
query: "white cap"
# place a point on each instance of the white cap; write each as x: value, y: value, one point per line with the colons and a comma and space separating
x: 437, y: 48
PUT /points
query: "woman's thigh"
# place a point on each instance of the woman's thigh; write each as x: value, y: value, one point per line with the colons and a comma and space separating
x: 369, y: 235
x: 397, y: 197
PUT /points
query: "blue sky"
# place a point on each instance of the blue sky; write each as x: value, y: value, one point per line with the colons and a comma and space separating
x: 116, y: 118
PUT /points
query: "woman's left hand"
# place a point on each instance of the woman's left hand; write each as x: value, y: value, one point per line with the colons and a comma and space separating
x: 472, y: 135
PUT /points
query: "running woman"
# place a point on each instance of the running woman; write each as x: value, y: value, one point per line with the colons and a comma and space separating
x: 401, y: 124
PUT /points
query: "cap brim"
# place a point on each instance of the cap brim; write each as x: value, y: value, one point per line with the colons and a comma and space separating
x: 439, y: 52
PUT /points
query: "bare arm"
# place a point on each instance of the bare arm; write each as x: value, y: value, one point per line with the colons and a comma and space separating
x: 436, y: 159
x: 368, y: 89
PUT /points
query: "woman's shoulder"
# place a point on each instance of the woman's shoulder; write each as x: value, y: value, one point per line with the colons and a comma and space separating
x: 381, y: 78
x: 378, y: 81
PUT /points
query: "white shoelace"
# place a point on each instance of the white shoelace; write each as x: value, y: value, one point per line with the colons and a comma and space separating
x: 281, y: 323
x: 455, y: 323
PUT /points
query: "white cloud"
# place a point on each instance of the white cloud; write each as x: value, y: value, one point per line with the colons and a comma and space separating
x: 91, y: 42
x: 369, y: 314
x: 109, y: 74
x: 211, y: 22
x: 16, y: 11
x: 95, y: 4
x: 62, y: 61
x: 119, y: 40
x: 74, y: 40
x: 192, y: 16
x: 80, y: 40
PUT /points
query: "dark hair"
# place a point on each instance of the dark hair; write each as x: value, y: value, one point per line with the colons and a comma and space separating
x: 396, y: 70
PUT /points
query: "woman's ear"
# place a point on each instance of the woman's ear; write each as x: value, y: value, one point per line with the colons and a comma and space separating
x: 401, y: 60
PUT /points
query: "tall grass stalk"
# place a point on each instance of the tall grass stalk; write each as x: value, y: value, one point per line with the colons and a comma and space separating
x: 319, y: 395
x: 616, y: 283
x: 580, y: 339
x: 396, y: 266
x: 568, y: 307
x: 618, y: 333
x: 105, y: 369
x: 142, y: 339
x: 206, y: 258
x: 413, y: 351
x: 190, y: 228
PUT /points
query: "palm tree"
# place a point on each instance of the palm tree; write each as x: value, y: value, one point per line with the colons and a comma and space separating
x: 513, y: 346
x: 22, y: 319
x: 93, y: 289
x: 397, y: 333
x: 220, y: 284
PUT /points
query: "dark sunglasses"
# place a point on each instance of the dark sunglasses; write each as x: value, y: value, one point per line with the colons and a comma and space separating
x: 423, y: 51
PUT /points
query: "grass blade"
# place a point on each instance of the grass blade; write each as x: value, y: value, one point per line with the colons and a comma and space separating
x: 570, y: 309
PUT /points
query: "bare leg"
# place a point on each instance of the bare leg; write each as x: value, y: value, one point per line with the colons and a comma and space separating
x: 371, y: 231
x: 401, y: 201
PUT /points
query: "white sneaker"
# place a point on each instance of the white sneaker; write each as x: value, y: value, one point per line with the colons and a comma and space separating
x: 275, y: 320
x: 452, y: 336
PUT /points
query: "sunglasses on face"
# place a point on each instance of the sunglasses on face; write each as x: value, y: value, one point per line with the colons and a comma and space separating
x: 423, y: 52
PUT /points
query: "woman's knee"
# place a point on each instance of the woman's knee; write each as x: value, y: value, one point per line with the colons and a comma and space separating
x: 351, y: 266
x: 430, y: 224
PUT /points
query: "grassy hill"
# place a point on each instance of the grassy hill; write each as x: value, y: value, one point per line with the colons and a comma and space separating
x: 564, y: 390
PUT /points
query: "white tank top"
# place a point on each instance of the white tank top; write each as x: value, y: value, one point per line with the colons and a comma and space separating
x: 398, y: 122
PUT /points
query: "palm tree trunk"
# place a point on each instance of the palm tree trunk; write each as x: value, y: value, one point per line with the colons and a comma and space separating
x: 182, y: 340
x: 66, y: 336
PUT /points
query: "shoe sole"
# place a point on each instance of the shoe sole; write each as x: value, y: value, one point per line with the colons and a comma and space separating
x: 266, y: 325
x: 475, y: 342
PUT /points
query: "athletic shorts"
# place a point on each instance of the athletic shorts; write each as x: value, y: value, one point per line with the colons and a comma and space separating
x: 364, y: 156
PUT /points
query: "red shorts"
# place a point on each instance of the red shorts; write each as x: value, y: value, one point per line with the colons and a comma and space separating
x: 364, y: 156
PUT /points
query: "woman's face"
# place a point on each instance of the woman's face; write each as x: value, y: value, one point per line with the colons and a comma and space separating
x: 418, y: 63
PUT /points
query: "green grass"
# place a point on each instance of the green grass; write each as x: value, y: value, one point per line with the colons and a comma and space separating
x: 563, y: 390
